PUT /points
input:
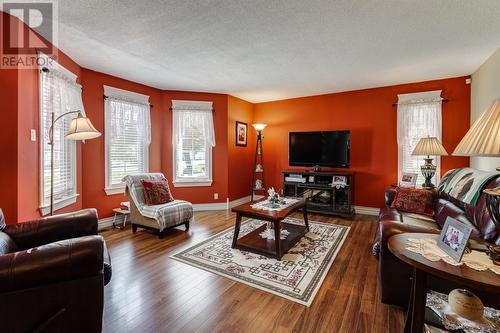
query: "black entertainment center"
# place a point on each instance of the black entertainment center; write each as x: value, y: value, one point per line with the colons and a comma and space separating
x: 323, y: 197
x: 329, y: 192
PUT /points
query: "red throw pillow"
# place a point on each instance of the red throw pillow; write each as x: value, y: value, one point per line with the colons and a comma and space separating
x: 156, y: 192
x: 412, y: 200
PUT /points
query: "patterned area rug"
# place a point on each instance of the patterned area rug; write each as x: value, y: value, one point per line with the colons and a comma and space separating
x: 297, y: 277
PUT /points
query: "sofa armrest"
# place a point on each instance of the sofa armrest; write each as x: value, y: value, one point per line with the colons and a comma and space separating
x: 66, y: 260
x: 388, y: 229
x: 53, y: 228
x: 389, y: 196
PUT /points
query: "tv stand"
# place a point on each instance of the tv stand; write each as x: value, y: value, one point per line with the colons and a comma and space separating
x: 327, y: 192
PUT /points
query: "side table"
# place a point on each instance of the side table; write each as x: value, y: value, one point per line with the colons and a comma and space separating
x: 120, y: 211
x: 463, y: 275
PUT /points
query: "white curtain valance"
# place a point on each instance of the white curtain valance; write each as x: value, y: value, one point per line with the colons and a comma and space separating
x: 419, y: 115
x: 63, y: 92
x: 125, y: 95
x: 122, y: 114
x: 193, y: 114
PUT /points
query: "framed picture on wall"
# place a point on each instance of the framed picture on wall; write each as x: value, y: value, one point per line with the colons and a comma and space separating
x: 241, y: 134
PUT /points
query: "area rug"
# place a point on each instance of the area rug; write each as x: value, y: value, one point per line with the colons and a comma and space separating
x: 297, y: 277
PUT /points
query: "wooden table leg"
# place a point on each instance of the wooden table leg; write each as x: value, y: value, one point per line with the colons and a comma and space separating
x: 409, y: 310
x: 306, y: 220
x: 277, y: 239
x: 236, y: 230
x: 416, y: 310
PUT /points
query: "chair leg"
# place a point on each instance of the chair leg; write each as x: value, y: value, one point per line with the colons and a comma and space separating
x: 161, y: 234
x: 134, y: 227
x: 187, y: 225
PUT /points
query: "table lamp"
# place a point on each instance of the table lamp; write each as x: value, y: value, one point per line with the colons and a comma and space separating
x: 429, y: 146
x: 483, y: 139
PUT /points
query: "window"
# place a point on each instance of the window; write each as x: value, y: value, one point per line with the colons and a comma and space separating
x: 419, y: 115
x: 59, y: 93
x: 127, y: 135
x: 193, y: 139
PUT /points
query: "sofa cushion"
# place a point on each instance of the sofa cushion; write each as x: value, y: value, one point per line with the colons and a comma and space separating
x: 444, y: 209
x: 414, y: 201
x: 156, y: 192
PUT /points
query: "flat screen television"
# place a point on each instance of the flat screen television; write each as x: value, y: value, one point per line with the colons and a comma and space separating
x: 326, y: 149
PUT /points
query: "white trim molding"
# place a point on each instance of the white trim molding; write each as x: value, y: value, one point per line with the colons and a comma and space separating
x: 125, y: 95
x: 108, y: 222
x: 191, y: 183
x: 115, y: 190
x: 44, y: 210
x: 367, y: 210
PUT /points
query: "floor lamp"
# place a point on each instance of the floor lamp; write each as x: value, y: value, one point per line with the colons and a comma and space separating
x: 80, y: 129
x: 258, y: 183
x: 483, y: 139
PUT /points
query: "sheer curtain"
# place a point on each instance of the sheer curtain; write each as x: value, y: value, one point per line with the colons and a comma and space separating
x: 191, y: 114
x: 59, y: 93
x: 122, y: 113
x: 419, y: 115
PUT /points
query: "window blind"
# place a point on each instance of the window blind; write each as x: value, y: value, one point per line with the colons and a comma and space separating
x: 58, y: 94
x: 127, y: 137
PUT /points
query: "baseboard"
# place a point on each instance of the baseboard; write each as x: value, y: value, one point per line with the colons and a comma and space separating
x: 107, y: 222
x: 367, y: 210
x: 210, y: 206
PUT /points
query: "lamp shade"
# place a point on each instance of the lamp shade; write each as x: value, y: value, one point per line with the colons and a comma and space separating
x: 259, y: 127
x: 82, y: 129
x: 429, y: 146
x: 483, y: 138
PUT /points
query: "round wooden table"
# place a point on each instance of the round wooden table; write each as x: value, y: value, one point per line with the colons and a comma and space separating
x: 463, y: 275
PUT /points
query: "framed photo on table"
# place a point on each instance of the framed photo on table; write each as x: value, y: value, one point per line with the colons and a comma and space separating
x: 241, y: 134
x: 408, y: 179
x: 454, y: 238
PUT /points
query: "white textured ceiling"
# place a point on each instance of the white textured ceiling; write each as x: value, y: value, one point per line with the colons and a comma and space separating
x: 275, y: 49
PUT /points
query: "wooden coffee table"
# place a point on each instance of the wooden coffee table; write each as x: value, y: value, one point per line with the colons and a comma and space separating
x: 253, y: 242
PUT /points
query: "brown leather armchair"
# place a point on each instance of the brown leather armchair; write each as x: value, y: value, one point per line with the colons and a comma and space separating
x: 52, y: 274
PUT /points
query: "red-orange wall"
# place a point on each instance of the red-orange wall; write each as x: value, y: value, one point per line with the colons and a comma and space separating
x: 369, y: 116
x: 240, y: 159
x: 8, y: 144
x: 93, y: 151
x: 160, y: 150
x: 20, y: 107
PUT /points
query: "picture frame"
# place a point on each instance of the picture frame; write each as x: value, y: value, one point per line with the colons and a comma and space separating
x: 241, y: 134
x: 453, y: 238
x: 408, y: 179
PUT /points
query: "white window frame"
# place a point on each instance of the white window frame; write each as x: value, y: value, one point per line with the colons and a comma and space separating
x: 415, y: 98
x: 190, y: 182
x: 44, y: 207
x: 112, y: 189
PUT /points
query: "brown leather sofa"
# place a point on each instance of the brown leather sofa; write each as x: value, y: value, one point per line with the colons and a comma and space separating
x: 394, y: 275
x: 52, y: 274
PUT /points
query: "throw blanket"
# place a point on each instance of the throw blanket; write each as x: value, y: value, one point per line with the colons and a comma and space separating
x: 466, y: 184
x: 166, y: 215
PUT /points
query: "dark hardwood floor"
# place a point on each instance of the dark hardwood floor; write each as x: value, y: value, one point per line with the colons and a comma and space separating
x: 150, y: 292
